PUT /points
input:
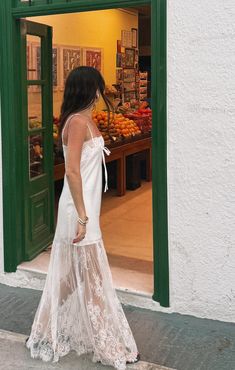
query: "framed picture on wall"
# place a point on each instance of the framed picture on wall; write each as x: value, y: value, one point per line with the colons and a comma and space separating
x: 134, y: 34
x: 129, y: 58
x: 70, y: 58
x: 93, y: 57
x: 119, y: 60
x: 35, y: 73
x: 126, y: 38
x: 32, y: 59
x: 35, y: 70
x: 55, y: 67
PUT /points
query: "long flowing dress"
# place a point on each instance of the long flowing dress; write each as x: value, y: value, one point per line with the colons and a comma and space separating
x: 79, y: 309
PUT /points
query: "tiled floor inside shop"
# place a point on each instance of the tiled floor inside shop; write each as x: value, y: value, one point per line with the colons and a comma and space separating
x: 126, y: 224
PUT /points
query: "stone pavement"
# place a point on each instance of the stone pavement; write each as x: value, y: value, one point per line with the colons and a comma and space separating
x: 14, y: 356
x: 175, y: 341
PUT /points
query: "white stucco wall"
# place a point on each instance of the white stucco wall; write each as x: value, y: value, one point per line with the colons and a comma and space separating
x: 201, y: 156
x: 201, y: 162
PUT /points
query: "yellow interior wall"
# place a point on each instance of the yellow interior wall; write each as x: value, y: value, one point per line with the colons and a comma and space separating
x: 99, y: 29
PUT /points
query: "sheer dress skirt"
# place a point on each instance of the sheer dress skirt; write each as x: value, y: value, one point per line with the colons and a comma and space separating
x: 79, y: 309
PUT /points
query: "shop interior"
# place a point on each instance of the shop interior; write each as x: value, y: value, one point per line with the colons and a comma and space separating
x: 118, y: 43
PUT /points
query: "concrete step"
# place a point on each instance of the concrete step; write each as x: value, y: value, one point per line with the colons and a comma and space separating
x: 34, y: 278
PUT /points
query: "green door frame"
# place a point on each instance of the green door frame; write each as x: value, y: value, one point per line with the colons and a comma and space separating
x: 11, y: 138
x: 38, y: 190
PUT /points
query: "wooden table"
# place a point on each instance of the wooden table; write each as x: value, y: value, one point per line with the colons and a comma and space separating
x: 119, y: 152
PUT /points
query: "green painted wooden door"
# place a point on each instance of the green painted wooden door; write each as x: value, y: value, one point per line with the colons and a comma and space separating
x: 37, y: 134
x: 10, y: 12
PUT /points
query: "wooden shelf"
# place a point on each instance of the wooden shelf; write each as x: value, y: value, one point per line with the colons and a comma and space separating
x: 119, y: 152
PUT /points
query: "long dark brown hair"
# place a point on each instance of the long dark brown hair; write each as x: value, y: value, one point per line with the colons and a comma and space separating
x: 80, y: 93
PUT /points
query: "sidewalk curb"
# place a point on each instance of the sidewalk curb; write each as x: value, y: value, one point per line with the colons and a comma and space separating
x: 11, y: 336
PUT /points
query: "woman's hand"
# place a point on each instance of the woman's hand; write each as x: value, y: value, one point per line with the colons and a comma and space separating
x: 81, y: 232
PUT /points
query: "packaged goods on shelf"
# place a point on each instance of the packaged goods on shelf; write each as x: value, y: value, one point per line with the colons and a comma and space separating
x: 143, y: 85
x: 143, y: 90
x: 143, y: 75
x: 143, y: 96
x: 34, y: 123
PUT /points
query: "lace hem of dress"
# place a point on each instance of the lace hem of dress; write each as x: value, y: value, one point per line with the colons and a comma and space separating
x: 79, y: 310
x: 43, y: 350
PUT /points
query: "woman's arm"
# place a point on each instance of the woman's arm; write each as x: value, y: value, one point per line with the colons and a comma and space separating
x: 76, y: 134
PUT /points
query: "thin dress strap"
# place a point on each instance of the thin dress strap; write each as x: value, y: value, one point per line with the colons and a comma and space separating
x: 92, y: 137
x: 66, y: 123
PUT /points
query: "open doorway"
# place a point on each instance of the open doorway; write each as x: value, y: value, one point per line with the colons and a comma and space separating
x: 118, y: 43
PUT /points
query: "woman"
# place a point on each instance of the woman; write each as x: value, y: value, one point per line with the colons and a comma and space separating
x: 79, y: 309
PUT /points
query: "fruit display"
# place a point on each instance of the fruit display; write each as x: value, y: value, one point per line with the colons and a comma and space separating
x: 33, y: 122
x: 36, y: 150
x: 127, y: 107
x: 36, y: 155
x: 55, y: 128
x: 125, y: 126
x: 57, y: 148
x: 120, y: 127
x: 142, y: 117
x: 101, y: 120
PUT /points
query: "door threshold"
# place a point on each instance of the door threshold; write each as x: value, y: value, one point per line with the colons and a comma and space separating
x: 133, y: 287
x: 131, y: 280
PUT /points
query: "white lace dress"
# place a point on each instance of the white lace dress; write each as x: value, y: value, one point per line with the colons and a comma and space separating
x: 79, y: 309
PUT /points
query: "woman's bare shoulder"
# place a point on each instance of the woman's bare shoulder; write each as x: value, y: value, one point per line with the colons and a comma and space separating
x: 76, y: 127
x: 76, y: 119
